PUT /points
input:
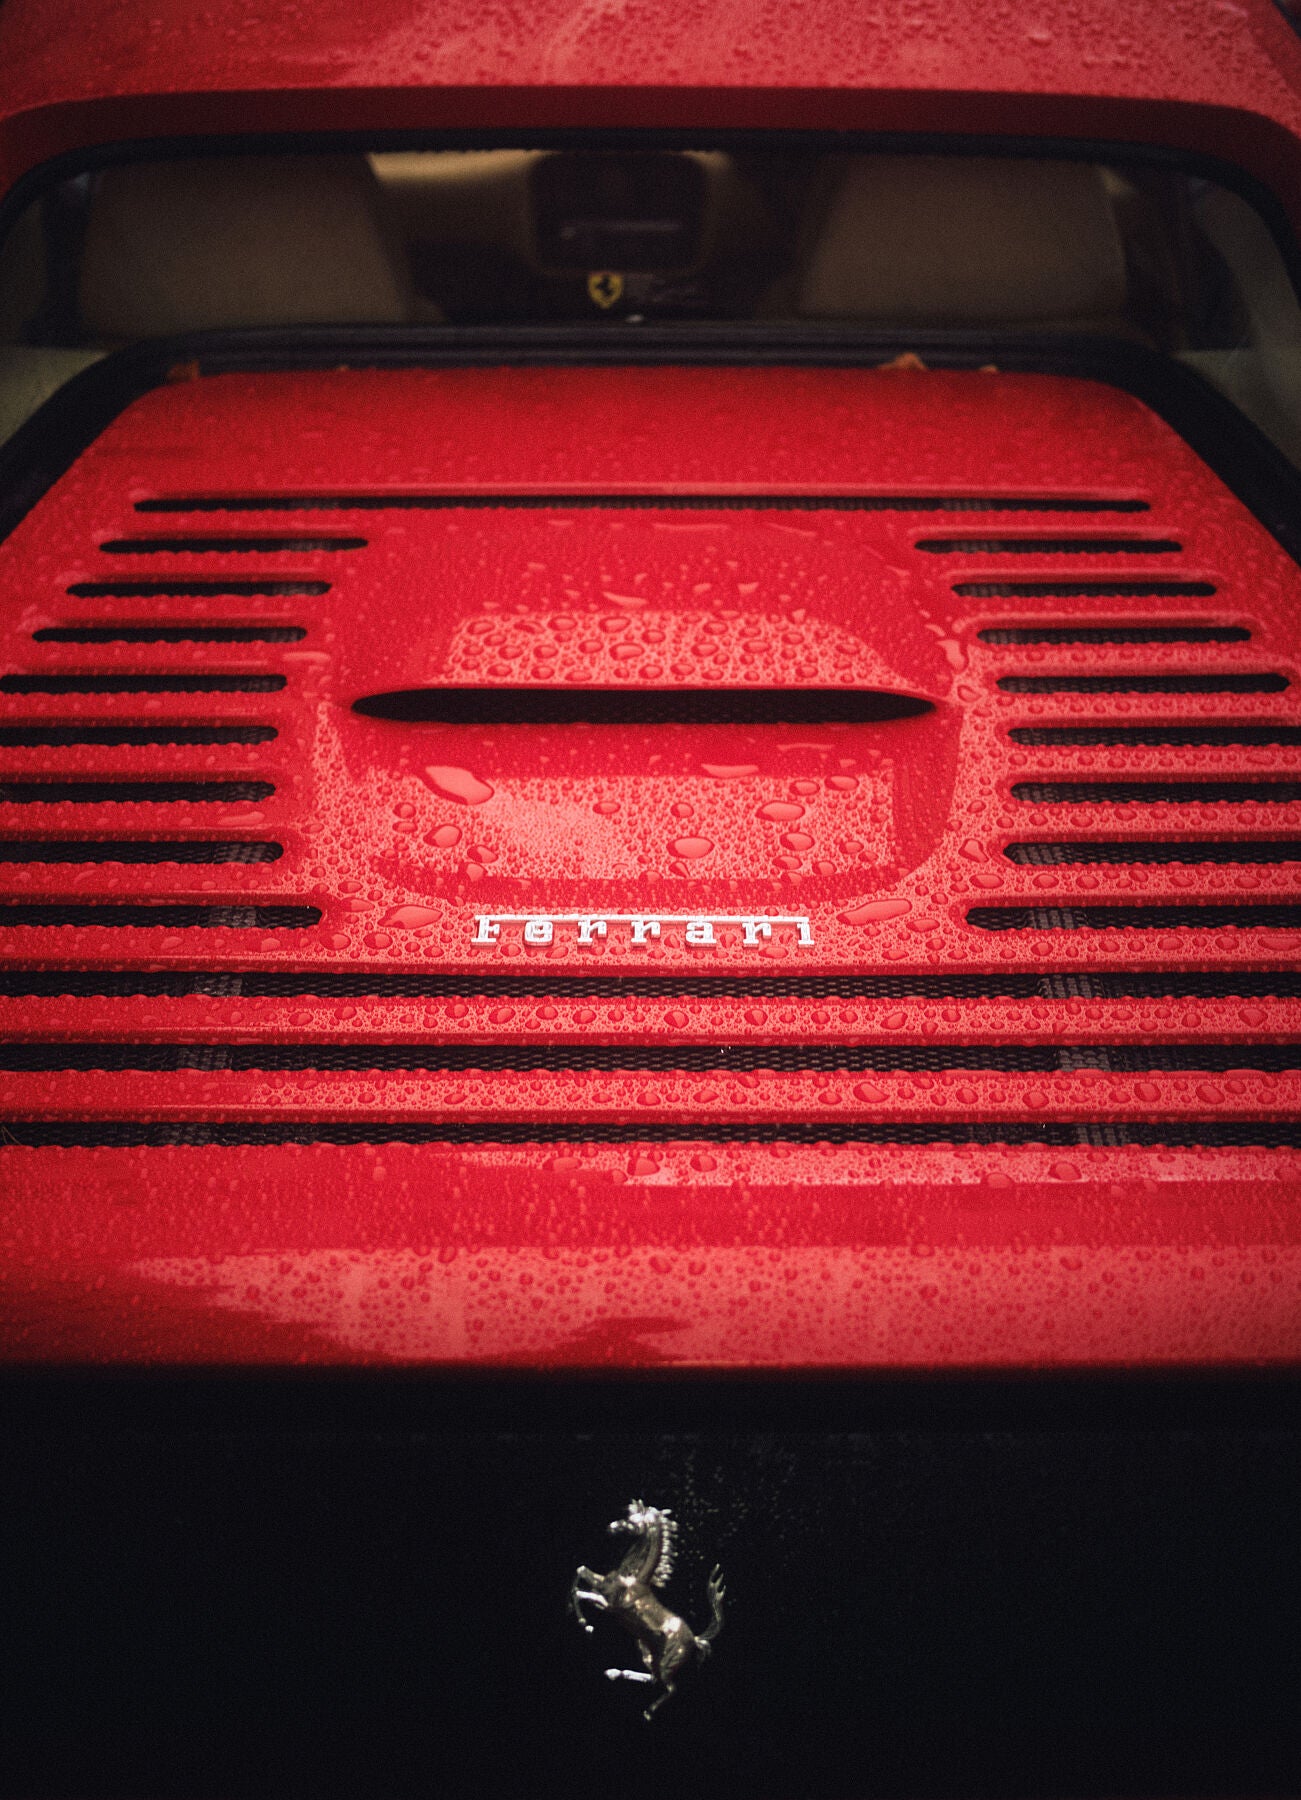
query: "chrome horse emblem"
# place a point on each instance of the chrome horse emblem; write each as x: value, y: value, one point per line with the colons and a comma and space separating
x: 667, y: 1643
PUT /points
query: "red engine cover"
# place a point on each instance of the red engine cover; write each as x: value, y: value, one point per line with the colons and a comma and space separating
x: 1007, y: 1075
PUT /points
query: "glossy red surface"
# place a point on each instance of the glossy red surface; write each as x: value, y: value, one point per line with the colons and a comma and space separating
x: 659, y: 1246
x: 1221, y: 78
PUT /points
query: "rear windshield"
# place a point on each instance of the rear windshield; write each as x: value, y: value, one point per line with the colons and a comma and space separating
x: 921, y: 246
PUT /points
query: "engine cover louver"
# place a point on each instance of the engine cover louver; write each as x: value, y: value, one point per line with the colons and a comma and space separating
x: 602, y: 866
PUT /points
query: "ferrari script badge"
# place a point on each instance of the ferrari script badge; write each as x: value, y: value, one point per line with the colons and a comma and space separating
x: 701, y: 930
x: 667, y: 1643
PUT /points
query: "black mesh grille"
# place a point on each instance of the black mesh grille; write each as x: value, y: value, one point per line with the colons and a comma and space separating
x: 1143, y: 684
x: 1115, y: 634
x: 59, y: 736
x: 639, y: 706
x: 334, y: 984
x: 1241, y: 850
x: 123, y: 1133
x: 1186, y: 736
x: 608, y: 1059
x: 1244, y: 916
x: 185, y: 587
x: 1050, y: 546
x: 170, y: 634
x: 244, y: 503
x: 1084, y: 590
x: 135, y: 850
x: 92, y: 793
x: 269, y: 918
x: 225, y: 546
x: 141, y: 684
x: 1152, y: 793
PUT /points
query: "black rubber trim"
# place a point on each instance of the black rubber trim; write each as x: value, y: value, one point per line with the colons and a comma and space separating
x: 1243, y: 915
x: 142, y: 684
x: 1084, y: 590
x: 59, y: 736
x: 1185, y: 736
x: 1115, y: 634
x: 96, y: 793
x: 1222, y: 683
x: 137, y: 850
x: 609, y: 1059
x: 156, y: 914
x: 480, y: 500
x: 1154, y: 793
x: 182, y: 587
x: 1153, y: 850
x: 1265, y: 1134
x: 337, y: 984
x: 170, y: 634
x: 1048, y: 546
x: 639, y: 706
x: 224, y: 546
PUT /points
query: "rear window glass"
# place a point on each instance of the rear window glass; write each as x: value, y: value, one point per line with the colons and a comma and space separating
x: 924, y: 244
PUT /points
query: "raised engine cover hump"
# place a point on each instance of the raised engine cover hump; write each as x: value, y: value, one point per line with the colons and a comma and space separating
x: 735, y: 867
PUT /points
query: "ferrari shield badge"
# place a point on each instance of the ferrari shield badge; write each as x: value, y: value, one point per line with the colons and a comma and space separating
x: 667, y: 1644
x: 604, y: 288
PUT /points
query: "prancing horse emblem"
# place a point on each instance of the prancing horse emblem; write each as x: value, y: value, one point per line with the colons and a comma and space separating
x: 667, y: 1643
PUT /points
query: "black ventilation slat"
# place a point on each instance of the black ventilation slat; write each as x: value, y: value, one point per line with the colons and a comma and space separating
x: 1183, y: 850
x: 1049, y: 546
x: 246, y: 503
x: 1084, y: 590
x: 1227, y: 682
x: 1183, y: 736
x: 141, y: 684
x: 95, y: 793
x: 57, y: 736
x: 137, y: 850
x: 609, y: 1059
x: 335, y: 984
x: 181, y: 587
x: 1266, y: 1134
x: 639, y: 706
x: 1244, y: 915
x: 224, y: 546
x: 1154, y: 793
x: 169, y: 634
x: 149, y: 914
x: 1115, y: 634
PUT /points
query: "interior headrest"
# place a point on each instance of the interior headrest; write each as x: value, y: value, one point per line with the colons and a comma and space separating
x: 218, y: 242
x: 941, y: 240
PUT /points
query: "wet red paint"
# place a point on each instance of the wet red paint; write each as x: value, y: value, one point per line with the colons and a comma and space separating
x: 884, y: 835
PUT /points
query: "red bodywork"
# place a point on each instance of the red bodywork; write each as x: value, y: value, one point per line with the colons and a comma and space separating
x: 660, y: 1246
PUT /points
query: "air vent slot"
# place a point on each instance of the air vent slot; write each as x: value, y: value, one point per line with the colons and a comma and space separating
x: 1115, y: 634
x: 1084, y: 590
x: 150, y: 914
x: 169, y: 634
x: 182, y: 587
x: 1155, y: 793
x: 1182, y: 850
x: 1049, y: 546
x: 124, y: 1133
x: 1183, y: 736
x: 141, y: 684
x: 334, y: 984
x: 137, y: 850
x: 1225, y: 683
x: 1242, y: 915
x: 614, y: 502
x: 639, y: 706
x: 224, y: 546
x: 608, y: 1059
x: 95, y: 793
x: 59, y: 736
